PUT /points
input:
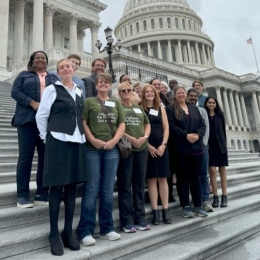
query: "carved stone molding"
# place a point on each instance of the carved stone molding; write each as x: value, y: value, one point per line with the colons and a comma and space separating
x: 94, y: 26
x: 74, y: 18
x: 20, y: 2
x: 50, y: 9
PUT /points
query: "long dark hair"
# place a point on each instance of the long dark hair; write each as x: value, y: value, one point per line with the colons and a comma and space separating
x: 218, y: 110
x: 30, y: 62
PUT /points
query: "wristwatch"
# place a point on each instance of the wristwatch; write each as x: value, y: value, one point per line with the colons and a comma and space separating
x: 146, y: 136
x: 164, y: 144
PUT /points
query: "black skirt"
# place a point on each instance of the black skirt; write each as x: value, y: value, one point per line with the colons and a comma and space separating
x: 64, y: 163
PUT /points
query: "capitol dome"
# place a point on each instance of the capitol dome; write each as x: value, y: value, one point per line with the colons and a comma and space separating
x: 168, y: 30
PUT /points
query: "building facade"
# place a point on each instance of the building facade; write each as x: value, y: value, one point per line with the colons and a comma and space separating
x: 159, y: 37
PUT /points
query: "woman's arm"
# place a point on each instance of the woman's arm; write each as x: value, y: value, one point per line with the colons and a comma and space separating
x: 48, y: 96
x: 118, y: 135
x: 165, y: 125
x: 147, y: 131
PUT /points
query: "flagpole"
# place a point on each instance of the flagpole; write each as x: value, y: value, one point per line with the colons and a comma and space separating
x: 254, y: 55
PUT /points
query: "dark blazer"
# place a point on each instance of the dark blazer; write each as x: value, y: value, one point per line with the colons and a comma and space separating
x: 179, y: 128
x: 26, y: 88
x: 220, y: 128
x: 90, y: 86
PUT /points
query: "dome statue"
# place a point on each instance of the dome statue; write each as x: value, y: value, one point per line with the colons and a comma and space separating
x: 168, y: 30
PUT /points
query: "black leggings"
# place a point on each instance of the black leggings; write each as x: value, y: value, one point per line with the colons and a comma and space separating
x: 54, y: 208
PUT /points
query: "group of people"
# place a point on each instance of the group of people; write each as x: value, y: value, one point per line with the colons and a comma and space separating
x: 76, y: 124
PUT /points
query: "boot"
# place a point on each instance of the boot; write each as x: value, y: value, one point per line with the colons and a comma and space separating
x: 70, y: 242
x: 215, y: 201
x: 56, y: 246
x: 156, y: 217
x: 223, y: 201
x: 166, y: 217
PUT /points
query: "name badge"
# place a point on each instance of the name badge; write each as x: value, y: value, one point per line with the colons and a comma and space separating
x: 153, y: 112
x: 78, y: 92
x: 138, y: 110
x: 110, y: 104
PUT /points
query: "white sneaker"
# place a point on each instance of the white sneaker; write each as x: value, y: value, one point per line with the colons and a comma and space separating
x: 111, y: 236
x: 88, y: 241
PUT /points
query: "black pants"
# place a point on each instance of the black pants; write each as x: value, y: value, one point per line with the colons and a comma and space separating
x: 28, y: 139
x: 188, y: 178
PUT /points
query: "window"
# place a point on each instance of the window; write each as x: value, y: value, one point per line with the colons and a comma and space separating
x: 137, y: 28
x: 146, y: 51
x: 155, y: 52
x: 131, y: 29
x: 173, y: 54
x: 169, y: 22
x: 145, y: 25
x: 189, y: 25
x: 125, y: 32
x: 161, y: 22
x: 183, y: 24
x: 66, y: 43
x: 194, y: 26
x: 176, y: 23
x: 164, y: 53
x: 152, y: 24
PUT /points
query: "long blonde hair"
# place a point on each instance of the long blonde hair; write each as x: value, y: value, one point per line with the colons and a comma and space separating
x: 178, y: 110
x: 156, y: 101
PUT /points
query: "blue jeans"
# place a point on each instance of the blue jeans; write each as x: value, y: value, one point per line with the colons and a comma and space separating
x: 131, y: 183
x: 204, y: 180
x: 101, y: 167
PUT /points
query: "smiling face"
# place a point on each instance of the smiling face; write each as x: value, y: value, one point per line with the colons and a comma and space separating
x: 125, y: 92
x: 192, y: 98
x: 164, y: 89
x: 65, y: 69
x: 198, y: 86
x: 149, y: 94
x: 75, y: 63
x: 211, y: 104
x: 40, y: 61
x: 157, y: 84
x: 98, y: 67
x: 138, y: 90
x: 180, y: 95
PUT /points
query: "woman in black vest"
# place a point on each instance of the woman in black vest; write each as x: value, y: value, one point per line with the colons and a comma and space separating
x: 59, y: 120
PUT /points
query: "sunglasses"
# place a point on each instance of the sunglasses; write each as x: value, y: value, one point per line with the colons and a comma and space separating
x: 126, y: 90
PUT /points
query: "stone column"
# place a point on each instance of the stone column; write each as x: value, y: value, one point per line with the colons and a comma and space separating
x: 204, y: 59
x: 242, y: 101
x: 73, y: 19
x: 255, y: 109
x: 48, y: 26
x: 239, y: 111
x: 57, y: 35
x: 30, y: 35
x: 81, y: 36
x: 169, y: 51
x: 219, y: 96
x: 4, y: 22
x: 185, y: 54
x: 189, y: 52
x: 233, y: 110
x: 197, y: 52
x: 18, y: 32
x: 209, y: 56
x: 159, y: 50
x: 212, y: 58
x: 227, y: 110
x: 149, y: 49
x: 180, y: 52
x: 94, y: 28
x: 139, y: 48
x: 37, y: 25
x: 258, y: 97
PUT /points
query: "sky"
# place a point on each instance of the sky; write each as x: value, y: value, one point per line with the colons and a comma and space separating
x: 229, y: 23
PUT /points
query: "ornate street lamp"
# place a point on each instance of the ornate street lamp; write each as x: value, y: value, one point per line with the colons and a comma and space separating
x: 109, y: 48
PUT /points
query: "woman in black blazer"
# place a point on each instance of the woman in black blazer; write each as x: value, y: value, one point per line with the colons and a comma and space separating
x: 217, y: 149
x: 27, y: 91
x: 187, y: 128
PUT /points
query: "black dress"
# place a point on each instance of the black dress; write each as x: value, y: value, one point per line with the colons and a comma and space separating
x: 216, y: 156
x: 157, y: 167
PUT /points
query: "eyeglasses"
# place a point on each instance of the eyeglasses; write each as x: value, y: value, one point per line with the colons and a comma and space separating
x: 126, y: 90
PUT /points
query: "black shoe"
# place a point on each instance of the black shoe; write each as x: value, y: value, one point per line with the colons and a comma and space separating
x: 166, y: 217
x: 56, y: 246
x: 223, y: 201
x: 156, y: 217
x: 171, y: 198
x: 215, y: 201
x: 70, y: 242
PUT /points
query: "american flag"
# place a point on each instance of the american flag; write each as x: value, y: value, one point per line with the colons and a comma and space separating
x: 249, y: 41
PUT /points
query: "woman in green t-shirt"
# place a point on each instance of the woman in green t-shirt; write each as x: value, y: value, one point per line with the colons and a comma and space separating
x: 132, y: 170
x: 102, y: 161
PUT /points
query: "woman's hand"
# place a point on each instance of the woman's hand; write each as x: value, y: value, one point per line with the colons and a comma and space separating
x: 135, y: 142
x: 99, y: 144
x: 142, y: 140
x: 192, y: 138
x: 152, y: 150
x: 109, y: 145
x: 161, y: 150
x: 34, y: 105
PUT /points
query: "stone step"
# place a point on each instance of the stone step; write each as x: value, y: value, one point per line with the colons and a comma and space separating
x: 243, y: 167
x: 247, y: 248
x: 181, y: 234
x: 11, y: 167
x: 243, y: 155
x: 9, y: 143
x: 6, y: 125
x: 8, y: 136
x: 9, y: 150
x: 11, y: 158
x: 243, y: 160
x: 10, y: 177
x: 8, y: 131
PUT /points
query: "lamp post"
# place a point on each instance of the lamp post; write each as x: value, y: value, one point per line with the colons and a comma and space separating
x: 109, y: 48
